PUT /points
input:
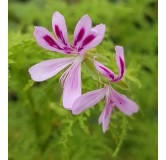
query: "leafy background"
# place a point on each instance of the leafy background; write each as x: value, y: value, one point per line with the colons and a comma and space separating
x: 39, y: 127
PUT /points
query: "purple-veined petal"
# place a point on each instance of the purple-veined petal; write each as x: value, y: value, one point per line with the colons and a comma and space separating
x: 46, y: 40
x: 88, y: 100
x: 120, y: 61
x: 105, y: 115
x: 123, y: 103
x: 82, y: 28
x: 47, y: 69
x: 59, y: 28
x: 104, y: 70
x: 72, y: 86
x: 93, y: 38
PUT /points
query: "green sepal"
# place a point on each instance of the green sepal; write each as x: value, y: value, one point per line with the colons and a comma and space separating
x: 121, y: 84
x: 91, y: 69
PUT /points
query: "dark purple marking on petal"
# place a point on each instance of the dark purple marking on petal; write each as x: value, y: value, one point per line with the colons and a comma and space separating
x: 51, y: 41
x: 68, y: 50
x: 80, y: 48
x: 122, y: 66
x: 122, y: 70
x: 58, y: 32
x: 79, y: 36
x: 88, y: 39
x: 60, y: 35
x: 108, y: 72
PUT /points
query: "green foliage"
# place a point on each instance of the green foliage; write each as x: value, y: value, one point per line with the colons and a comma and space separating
x: 39, y: 127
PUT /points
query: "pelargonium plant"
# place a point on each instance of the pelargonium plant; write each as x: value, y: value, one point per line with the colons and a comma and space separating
x: 85, y: 39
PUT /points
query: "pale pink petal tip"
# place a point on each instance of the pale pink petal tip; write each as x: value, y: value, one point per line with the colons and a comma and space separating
x: 119, y: 52
x: 124, y: 104
x: 106, y: 114
x: 88, y: 100
x: 72, y: 86
x: 47, y: 69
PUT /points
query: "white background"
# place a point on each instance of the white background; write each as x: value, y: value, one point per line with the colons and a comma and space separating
x: 3, y: 79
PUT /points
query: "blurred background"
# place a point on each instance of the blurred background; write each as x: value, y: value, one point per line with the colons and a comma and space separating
x: 39, y: 127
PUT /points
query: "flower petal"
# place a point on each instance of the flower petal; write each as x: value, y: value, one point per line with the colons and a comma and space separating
x: 104, y: 70
x: 105, y: 116
x: 120, y: 61
x: 94, y: 37
x: 88, y: 100
x: 45, y: 40
x: 47, y: 69
x: 82, y: 28
x: 124, y: 104
x: 59, y: 28
x: 72, y: 86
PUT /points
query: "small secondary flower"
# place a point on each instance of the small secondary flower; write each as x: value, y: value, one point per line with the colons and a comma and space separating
x: 112, y: 97
x: 85, y: 38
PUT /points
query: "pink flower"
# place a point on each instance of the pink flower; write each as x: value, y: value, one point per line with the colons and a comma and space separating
x: 112, y: 97
x: 85, y: 38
